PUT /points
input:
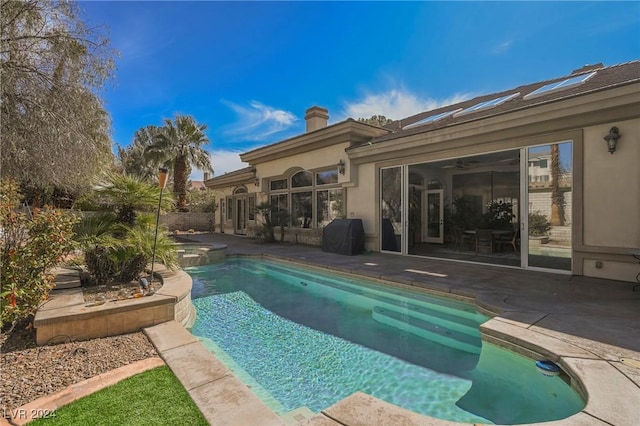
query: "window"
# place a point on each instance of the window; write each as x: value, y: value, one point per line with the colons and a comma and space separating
x: 327, y: 178
x: 559, y: 85
x: 487, y: 104
x: 252, y: 208
x: 432, y: 118
x: 301, y: 209
x: 310, y: 199
x: 280, y: 202
x: 329, y: 205
x: 301, y: 180
x: 543, y: 164
x: 276, y: 185
x: 229, y: 208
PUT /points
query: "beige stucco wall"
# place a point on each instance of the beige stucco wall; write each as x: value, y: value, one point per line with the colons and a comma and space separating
x: 361, y: 203
x: 611, y: 204
x: 326, y: 157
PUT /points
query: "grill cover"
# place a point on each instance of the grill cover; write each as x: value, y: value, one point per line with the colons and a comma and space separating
x: 343, y: 236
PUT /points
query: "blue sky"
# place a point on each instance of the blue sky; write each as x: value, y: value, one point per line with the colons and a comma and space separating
x: 249, y: 70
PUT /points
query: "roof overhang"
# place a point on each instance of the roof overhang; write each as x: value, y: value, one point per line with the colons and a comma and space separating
x: 237, y: 177
x: 349, y: 130
x: 616, y: 104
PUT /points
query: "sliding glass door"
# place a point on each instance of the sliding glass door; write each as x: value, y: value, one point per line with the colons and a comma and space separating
x: 510, y: 208
x: 391, y: 208
x: 550, y: 200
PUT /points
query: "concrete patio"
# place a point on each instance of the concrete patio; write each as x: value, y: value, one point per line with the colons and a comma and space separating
x: 591, y: 327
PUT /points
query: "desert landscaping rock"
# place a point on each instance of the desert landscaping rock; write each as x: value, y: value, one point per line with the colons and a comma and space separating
x: 30, y: 372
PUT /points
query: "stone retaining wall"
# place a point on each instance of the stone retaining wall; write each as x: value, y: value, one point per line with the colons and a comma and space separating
x: 66, y: 316
x: 185, y: 221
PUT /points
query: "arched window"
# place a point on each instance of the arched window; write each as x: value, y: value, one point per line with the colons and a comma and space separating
x: 310, y: 199
x: 302, y: 179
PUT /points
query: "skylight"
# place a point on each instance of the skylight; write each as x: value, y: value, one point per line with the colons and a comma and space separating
x: 487, y: 104
x: 432, y: 118
x: 560, y: 85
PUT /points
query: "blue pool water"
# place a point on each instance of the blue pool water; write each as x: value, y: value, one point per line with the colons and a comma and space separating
x: 301, y: 338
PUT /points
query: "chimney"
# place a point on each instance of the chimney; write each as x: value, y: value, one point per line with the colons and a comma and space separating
x: 587, y: 68
x: 316, y: 118
x: 206, y: 176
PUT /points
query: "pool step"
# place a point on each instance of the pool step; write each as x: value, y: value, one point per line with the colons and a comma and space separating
x: 435, y: 303
x: 428, y: 330
x: 417, y: 309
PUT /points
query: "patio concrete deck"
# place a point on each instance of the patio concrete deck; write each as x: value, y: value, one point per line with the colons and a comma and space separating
x: 591, y: 327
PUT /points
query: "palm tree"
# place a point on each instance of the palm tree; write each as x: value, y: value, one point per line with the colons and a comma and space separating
x: 557, y: 196
x: 178, y: 145
x: 127, y: 195
x: 132, y: 158
x: 119, y: 243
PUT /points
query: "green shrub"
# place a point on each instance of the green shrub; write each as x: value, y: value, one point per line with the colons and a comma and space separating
x: 119, y: 242
x: 121, y: 253
x: 539, y: 225
x: 30, y: 245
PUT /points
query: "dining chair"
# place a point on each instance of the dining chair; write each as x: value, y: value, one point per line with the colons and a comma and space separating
x: 463, y: 240
x: 484, y: 241
x: 515, y: 241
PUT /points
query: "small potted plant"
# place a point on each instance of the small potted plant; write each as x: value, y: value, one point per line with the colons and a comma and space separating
x: 499, y: 215
x: 539, y: 227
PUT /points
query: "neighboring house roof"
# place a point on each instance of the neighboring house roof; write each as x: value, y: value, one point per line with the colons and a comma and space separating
x: 197, y: 184
x: 604, y: 78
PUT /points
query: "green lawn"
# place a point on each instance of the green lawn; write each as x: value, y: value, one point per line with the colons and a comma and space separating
x: 154, y: 397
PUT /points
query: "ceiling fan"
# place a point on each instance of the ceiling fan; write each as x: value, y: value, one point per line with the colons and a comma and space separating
x: 461, y: 165
x: 510, y: 161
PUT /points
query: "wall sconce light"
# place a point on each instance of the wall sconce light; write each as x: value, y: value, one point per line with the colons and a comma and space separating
x: 341, y: 167
x: 612, y: 139
x: 257, y: 182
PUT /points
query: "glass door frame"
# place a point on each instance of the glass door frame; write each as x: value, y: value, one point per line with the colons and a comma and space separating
x: 524, y: 208
x: 241, y: 214
x: 404, y: 195
x: 426, y: 237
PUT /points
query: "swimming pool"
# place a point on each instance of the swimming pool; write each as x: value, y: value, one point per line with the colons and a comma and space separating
x: 299, y: 337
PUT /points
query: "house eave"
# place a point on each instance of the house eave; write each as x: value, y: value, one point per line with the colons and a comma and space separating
x: 620, y: 103
x: 350, y: 131
x: 235, y: 178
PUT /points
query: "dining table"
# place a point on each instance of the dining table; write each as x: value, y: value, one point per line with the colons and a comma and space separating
x: 495, y: 233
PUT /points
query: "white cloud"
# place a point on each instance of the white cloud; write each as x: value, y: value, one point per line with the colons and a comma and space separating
x: 396, y: 104
x: 226, y: 161
x: 222, y: 162
x: 502, y: 48
x: 257, y: 122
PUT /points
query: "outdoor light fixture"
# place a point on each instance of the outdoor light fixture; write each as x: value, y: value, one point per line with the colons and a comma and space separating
x: 612, y: 139
x: 257, y: 182
x: 341, y: 167
x: 163, y: 176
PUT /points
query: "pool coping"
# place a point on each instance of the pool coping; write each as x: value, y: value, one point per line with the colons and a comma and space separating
x: 604, y: 384
x: 67, y: 316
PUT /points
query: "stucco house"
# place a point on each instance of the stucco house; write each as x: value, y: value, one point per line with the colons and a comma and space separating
x: 536, y: 165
